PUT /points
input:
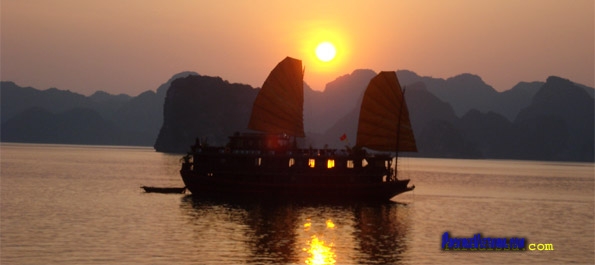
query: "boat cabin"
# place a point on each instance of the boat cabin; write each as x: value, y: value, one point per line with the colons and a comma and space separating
x: 260, y: 142
x: 262, y: 153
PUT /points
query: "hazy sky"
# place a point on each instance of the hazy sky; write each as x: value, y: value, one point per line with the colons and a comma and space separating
x: 130, y: 46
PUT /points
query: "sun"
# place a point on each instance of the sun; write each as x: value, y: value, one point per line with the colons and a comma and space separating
x: 325, y: 51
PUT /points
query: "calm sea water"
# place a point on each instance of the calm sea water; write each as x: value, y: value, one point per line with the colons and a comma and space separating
x: 65, y: 204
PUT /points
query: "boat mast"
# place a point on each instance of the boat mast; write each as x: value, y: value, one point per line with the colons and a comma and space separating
x: 398, y: 133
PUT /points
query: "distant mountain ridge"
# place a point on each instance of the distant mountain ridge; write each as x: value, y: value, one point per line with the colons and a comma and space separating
x: 118, y: 119
x: 205, y: 107
x: 466, y: 92
x: 338, y: 98
x: 459, y: 117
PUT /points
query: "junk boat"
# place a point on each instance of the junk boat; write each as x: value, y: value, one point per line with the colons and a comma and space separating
x: 268, y: 163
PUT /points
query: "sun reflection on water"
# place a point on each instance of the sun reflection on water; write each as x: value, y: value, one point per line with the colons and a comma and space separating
x: 320, y: 252
x: 330, y: 224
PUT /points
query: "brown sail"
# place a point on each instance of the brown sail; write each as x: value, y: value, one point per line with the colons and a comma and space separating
x: 278, y: 107
x: 384, y: 122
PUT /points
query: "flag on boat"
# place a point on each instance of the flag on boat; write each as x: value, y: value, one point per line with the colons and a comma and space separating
x: 343, y: 137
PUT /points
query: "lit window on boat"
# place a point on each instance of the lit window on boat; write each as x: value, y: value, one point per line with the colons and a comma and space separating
x: 364, y: 162
x: 350, y: 164
x: 311, y: 162
x: 291, y: 162
x: 330, y: 163
x: 258, y: 161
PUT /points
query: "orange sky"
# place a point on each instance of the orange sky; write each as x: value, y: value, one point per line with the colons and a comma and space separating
x: 135, y: 45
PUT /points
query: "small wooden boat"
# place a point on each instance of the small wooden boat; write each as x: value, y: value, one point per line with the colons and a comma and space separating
x: 164, y: 189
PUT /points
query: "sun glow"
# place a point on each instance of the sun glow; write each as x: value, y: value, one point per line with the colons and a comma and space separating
x: 325, y: 51
x: 324, y: 48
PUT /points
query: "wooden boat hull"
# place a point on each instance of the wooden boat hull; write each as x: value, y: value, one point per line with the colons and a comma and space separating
x: 164, y: 189
x: 228, y: 186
